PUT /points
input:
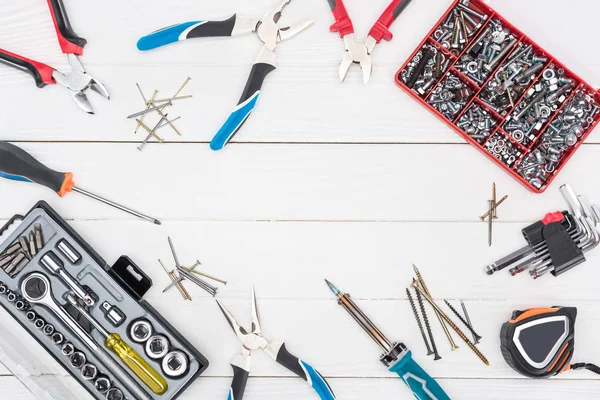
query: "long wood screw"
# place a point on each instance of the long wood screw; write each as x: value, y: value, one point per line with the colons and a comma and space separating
x: 428, y: 326
x: 416, y: 314
x: 502, y: 200
x: 460, y: 317
x: 494, y: 200
x: 451, y: 323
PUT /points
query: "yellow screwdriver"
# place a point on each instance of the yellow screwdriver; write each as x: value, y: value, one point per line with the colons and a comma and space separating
x: 129, y: 356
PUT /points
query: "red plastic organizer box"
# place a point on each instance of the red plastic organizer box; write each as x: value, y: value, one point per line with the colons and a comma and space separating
x: 501, y: 92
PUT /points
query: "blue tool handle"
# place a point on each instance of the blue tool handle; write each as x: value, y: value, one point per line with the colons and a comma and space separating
x: 423, y: 386
x: 238, y: 385
x: 303, y: 370
x: 245, y: 105
x: 187, y: 30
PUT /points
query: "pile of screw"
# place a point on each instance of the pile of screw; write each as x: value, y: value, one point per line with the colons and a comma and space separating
x: 540, y: 102
x: 502, y: 148
x: 487, y: 52
x: 562, y: 134
x: 450, y: 96
x: 425, y: 69
x: 421, y: 291
x: 492, y: 212
x: 513, y: 78
x: 181, y: 273
x: 462, y: 24
x: 477, y: 123
x: 158, y: 106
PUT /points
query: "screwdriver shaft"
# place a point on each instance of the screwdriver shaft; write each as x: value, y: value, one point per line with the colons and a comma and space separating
x: 117, y: 206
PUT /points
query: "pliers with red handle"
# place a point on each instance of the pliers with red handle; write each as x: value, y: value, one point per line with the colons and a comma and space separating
x: 360, y: 52
x: 77, y: 81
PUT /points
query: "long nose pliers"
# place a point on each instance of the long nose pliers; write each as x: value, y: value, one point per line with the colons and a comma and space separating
x: 360, y: 52
x: 254, y: 340
x: 269, y: 32
x: 77, y: 80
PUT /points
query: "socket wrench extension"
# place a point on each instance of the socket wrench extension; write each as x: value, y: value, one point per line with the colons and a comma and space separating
x: 55, y: 266
x: 36, y: 289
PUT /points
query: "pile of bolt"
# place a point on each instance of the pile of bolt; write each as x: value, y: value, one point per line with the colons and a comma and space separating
x: 513, y: 78
x: 477, y: 123
x: 563, y: 133
x: 492, y: 212
x: 16, y: 257
x: 77, y: 359
x: 487, y: 52
x: 450, y: 96
x: 540, y: 102
x: 421, y: 291
x: 174, y: 362
x: 581, y: 234
x: 462, y: 24
x: 425, y: 69
x: 158, y: 106
x: 181, y: 273
x: 501, y: 148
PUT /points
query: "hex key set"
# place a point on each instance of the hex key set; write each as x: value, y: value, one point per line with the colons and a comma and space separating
x: 501, y: 92
x: 556, y: 243
x: 89, y: 316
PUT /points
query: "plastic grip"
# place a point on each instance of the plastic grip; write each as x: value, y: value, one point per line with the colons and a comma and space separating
x: 245, y: 105
x: 69, y: 41
x: 423, y: 386
x: 306, y: 372
x: 238, y: 385
x: 137, y: 364
x: 343, y: 23
x: 553, y: 217
x: 17, y: 164
x: 41, y: 73
x: 381, y: 28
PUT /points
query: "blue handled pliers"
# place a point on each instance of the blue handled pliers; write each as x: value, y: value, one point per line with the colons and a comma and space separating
x: 276, y: 350
x: 268, y: 31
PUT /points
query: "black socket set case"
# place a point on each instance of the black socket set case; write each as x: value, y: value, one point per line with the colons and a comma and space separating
x: 123, y: 286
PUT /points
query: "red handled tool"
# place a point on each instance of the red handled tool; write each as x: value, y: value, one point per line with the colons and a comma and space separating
x: 18, y: 165
x: 360, y: 52
x: 77, y: 81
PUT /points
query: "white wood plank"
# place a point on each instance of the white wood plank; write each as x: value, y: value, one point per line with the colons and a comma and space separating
x: 300, y: 182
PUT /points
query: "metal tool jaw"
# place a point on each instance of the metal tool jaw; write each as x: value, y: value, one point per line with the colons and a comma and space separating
x: 250, y: 340
x: 357, y: 53
x: 269, y: 31
x: 78, y: 82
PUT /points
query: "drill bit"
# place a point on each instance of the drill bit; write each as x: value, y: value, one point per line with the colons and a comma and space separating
x: 453, y: 345
x: 416, y: 314
x: 428, y: 326
x: 462, y: 304
x: 460, y: 317
x: 451, y: 323
x: 490, y: 222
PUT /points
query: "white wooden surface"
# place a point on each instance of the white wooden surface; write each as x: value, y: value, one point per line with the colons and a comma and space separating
x: 346, y: 182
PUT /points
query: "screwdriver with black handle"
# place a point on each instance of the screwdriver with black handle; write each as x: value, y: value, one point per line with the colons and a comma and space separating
x: 18, y: 165
x: 129, y: 356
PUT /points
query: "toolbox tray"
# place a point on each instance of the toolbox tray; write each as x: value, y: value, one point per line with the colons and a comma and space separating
x: 498, y: 132
x: 123, y: 285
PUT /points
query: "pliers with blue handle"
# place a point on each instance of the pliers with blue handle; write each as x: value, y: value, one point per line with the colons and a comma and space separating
x: 268, y: 31
x: 276, y: 350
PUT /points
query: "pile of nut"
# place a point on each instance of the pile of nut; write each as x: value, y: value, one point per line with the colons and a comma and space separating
x: 425, y: 69
x: 501, y: 148
x: 450, y: 96
x: 513, y: 78
x: 477, y: 123
x: 574, y: 120
x: 490, y: 48
x: 540, y: 102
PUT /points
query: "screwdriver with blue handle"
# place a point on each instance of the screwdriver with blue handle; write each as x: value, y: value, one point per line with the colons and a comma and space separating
x: 18, y: 165
x: 396, y: 356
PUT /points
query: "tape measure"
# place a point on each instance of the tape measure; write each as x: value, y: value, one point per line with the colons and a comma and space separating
x: 539, y: 342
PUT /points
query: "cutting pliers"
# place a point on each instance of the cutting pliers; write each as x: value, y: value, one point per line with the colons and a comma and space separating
x: 269, y: 32
x: 77, y: 80
x: 360, y: 52
x: 254, y: 340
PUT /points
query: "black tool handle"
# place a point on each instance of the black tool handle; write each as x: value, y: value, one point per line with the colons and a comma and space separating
x: 238, y: 385
x: 16, y: 164
x: 69, y: 41
x: 41, y: 73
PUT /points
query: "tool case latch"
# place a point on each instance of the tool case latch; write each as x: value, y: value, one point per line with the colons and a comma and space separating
x: 130, y: 277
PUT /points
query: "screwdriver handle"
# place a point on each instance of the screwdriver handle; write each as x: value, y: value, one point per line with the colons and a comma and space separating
x: 423, y: 386
x: 18, y: 165
x: 137, y: 364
